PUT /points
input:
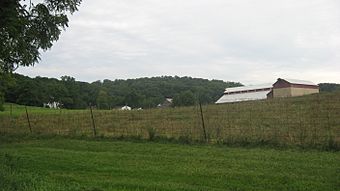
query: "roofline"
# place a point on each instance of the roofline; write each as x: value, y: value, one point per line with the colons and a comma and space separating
x: 248, y: 88
x: 297, y: 83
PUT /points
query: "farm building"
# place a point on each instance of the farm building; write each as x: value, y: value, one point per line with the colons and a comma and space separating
x: 292, y: 88
x: 126, y: 108
x: 281, y: 88
x: 167, y: 103
x: 245, y: 93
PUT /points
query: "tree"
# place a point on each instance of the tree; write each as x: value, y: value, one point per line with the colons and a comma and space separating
x: 329, y: 87
x: 27, y: 28
x: 103, y: 100
x: 2, y: 101
x: 143, y: 92
x: 133, y: 99
x: 5, y: 81
x: 30, y: 94
x: 186, y: 98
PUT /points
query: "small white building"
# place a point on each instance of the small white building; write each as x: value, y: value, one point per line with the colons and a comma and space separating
x: 245, y: 93
x: 126, y: 108
x: 52, y: 105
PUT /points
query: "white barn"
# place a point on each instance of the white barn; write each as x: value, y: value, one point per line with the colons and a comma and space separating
x: 245, y: 93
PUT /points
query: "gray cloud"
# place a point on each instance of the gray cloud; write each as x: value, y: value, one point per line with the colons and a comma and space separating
x: 248, y: 41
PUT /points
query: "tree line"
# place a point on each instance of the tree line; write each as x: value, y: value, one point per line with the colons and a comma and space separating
x: 107, y: 94
x: 329, y: 87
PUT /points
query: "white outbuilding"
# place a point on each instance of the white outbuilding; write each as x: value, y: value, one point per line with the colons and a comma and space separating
x: 245, y: 93
x: 126, y: 108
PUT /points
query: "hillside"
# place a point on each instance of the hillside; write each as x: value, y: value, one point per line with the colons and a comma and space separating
x: 141, y: 92
x: 107, y: 94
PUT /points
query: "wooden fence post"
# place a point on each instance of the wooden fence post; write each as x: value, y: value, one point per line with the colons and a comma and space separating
x: 203, y: 124
x: 28, y: 120
x: 93, y: 123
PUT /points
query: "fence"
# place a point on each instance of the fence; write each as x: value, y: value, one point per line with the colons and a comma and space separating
x: 310, y: 122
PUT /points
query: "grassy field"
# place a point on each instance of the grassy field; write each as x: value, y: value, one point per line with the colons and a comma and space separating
x: 16, y: 110
x: 309, y: 121
x: 69, y: 164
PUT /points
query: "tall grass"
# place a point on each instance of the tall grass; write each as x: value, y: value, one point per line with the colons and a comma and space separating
x: 308, y: 121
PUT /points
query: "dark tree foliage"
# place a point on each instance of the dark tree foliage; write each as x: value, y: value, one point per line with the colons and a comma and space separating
x: 329, y: 87
x: 185, y: 98
x: 142, y: 92
x: 5, y: 80
x: 27, y: 28
x: 107, y: 94
x: 2, y: 101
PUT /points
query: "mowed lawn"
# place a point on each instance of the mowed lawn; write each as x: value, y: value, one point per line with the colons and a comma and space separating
x: 70, y: 164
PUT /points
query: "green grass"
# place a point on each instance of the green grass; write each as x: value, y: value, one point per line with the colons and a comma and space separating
x: 69, y: 164
x: 18, y: 110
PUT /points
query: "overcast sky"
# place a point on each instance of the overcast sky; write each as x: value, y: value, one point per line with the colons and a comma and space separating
x: 249, y: 41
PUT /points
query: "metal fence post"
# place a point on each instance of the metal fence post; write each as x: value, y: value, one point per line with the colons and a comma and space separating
x: 11, y: 115
x: 203, y: 124
x: 28, y: 120
x: 93, y: 123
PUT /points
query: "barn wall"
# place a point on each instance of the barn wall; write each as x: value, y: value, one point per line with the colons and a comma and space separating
x: 282, y: 92
x: 303, y: 91
x: 293, y: 91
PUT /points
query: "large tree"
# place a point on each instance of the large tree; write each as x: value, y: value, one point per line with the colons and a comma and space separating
x: 185, y: 98
x: 28, y: 28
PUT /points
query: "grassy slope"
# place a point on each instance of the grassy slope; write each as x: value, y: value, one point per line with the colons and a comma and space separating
x: 66, y: 164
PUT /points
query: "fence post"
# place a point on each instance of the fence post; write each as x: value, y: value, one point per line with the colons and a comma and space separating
x: 252, y: 129
x: 93, y: 123
x: 203, y: 124
x: 28, y: 120
x: 11, y: 107
x: 329, y: 132
x: 11, y: 115
x: 59, y: 123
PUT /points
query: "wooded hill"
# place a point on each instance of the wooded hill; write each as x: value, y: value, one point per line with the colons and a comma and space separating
x: 141, y: 92
x: 106, y: 94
